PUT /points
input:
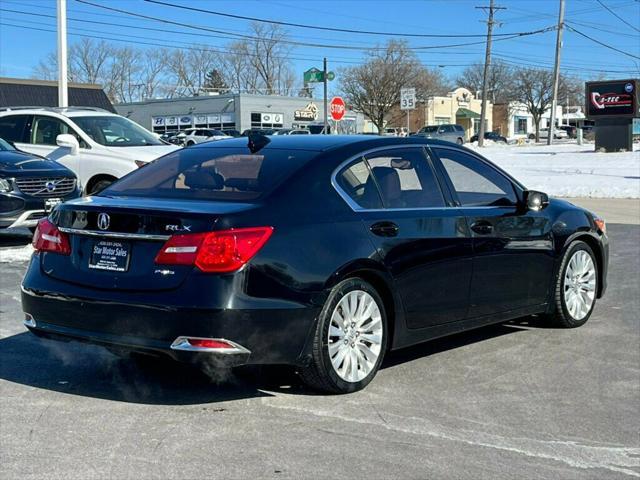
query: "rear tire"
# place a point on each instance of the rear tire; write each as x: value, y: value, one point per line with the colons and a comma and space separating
x: 345, y: 359
x: 459, y: 141
x: 576, y: 288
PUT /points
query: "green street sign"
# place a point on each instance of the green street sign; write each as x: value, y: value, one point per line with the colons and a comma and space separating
x: 313, y: 75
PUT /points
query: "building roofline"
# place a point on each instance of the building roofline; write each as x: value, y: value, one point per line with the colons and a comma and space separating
x: 210, y: 97
x: 46, y: 83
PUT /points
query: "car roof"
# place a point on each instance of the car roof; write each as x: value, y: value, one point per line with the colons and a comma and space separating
x: 324, y: 142
x: 69, y: 112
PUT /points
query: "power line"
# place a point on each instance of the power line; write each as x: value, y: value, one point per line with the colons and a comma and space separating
x: 601, y: 43
x: 315, y: 27
x: 618, y: 16
x: 349, y: 47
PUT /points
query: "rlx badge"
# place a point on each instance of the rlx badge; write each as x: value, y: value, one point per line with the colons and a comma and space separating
x: 178, y: 228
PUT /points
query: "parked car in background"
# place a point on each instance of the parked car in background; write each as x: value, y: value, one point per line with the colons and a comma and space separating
x: 30, y: 186
x: 390, y: 132
x: 233, y: 133
x: 210, y: 254
x: 293, y: 131
x: 449, y: 132
x: 544, y: 133
x: 572, y: 131
x: 191, y: 136
x: 259, y: 131
x: 493, y: 136
x: 98, y: 146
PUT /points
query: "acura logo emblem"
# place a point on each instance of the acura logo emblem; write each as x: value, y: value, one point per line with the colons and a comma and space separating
x: 103, y: 221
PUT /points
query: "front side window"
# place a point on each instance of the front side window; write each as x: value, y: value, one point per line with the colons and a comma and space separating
x: 115, y: 131
x: 12, y: 128
x: 222, y: 174
x: 476, y: 183
x: 405, y: 179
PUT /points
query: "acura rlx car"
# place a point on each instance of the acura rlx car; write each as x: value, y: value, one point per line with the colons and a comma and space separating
x: 30, y: 186
x: 322, y: 252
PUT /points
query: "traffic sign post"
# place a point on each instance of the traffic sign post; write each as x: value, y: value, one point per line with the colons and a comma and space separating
x: 408, y: 102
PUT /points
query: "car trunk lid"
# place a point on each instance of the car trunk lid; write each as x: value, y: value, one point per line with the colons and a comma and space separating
x: 114, y: 241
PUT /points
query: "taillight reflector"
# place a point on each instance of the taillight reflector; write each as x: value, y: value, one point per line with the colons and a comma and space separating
x: 47, y: 238
x: 221, y: 251
x: 208, y: 343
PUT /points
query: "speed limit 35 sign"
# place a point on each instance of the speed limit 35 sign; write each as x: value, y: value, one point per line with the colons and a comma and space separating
x: 407, y: 99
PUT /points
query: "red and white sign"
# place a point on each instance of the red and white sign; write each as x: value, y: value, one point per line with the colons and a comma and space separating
x: 337, y: 108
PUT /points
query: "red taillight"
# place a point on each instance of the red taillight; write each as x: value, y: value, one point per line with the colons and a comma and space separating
x: 47, y: 238
x: 223, y: 251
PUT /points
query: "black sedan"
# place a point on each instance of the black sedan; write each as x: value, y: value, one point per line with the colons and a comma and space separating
x: 30, y: 186
x: 493, y: 136
x: 322, y: 252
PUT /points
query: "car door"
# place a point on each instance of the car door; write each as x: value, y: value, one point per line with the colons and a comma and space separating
x: 41, y: 140
x: 423, y: 241
x: 513, y: 247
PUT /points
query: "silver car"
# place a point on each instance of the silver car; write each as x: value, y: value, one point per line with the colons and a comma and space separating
x: 448, y: 132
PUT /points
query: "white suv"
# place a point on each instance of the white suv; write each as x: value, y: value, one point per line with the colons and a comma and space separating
x: 191, y: 136
x: 97, y: 145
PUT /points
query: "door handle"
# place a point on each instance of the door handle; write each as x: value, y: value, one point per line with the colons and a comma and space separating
x: 385, y: 229
x: 482, y: 227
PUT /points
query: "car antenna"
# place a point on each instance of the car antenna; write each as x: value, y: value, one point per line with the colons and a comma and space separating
x: 257, y: 142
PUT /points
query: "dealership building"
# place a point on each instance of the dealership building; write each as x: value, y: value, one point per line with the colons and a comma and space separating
x: 234, y: 112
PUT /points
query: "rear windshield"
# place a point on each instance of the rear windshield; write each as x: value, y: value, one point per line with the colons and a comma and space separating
x: 225, y: 174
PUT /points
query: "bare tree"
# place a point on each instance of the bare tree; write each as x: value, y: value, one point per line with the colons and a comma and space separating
x: 123, y: 82
x: 89, y: 60
x: 534, y: 88
x: 373, y: 88
x: 153, y: 73
x: 498, y: 83
x: 189, y: 69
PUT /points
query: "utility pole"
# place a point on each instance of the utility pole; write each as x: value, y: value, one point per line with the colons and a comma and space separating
x: 324, y: 81
x: 485, y: 74
x: 556, y: 74
x: 63, y: 99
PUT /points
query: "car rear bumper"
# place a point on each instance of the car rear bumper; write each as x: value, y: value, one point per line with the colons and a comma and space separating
x: 265, y: 332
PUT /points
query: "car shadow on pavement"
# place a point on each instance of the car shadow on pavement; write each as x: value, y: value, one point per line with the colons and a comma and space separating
x: 18, y: 238
x: 91, y: 371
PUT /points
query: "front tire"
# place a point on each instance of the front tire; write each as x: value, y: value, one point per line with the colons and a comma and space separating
x: 349, y: 341
x: 577, y: 287
x: 99, y: 186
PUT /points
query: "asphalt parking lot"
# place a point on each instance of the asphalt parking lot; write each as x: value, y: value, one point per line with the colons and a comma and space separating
x: 516, y: 400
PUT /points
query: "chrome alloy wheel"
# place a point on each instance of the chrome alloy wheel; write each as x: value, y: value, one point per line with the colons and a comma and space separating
x: 580, y: 284
x: 355, y: 336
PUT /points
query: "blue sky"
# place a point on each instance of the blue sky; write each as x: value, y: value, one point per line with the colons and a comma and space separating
x: 21, y: 48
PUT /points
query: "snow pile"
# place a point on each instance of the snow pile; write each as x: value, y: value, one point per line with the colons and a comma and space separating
x: 569, y: 170
x: 16, y: 254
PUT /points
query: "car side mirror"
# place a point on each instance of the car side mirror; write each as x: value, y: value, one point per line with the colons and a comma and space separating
x: 441, y: 130
x: 535, y: 201
x: 66, y: 140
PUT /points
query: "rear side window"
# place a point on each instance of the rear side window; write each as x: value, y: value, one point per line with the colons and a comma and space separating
x: 476, y: 183
x: 357, y: 182
x: 12, y: 128
x: 398, y: 178
x: 405, y: 179
x: 223, y: 174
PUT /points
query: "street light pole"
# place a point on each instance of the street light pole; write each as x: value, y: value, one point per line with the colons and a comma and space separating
x: 556, y: 74
x: 63, y: 99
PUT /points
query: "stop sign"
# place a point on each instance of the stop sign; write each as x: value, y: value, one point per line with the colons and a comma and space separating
x: 337, y: 108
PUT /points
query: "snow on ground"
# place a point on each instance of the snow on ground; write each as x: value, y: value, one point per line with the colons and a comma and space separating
x: 568, y: 169
x: 16, y: 254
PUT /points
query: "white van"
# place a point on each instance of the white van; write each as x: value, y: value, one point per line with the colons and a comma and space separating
x: 98, y: 146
